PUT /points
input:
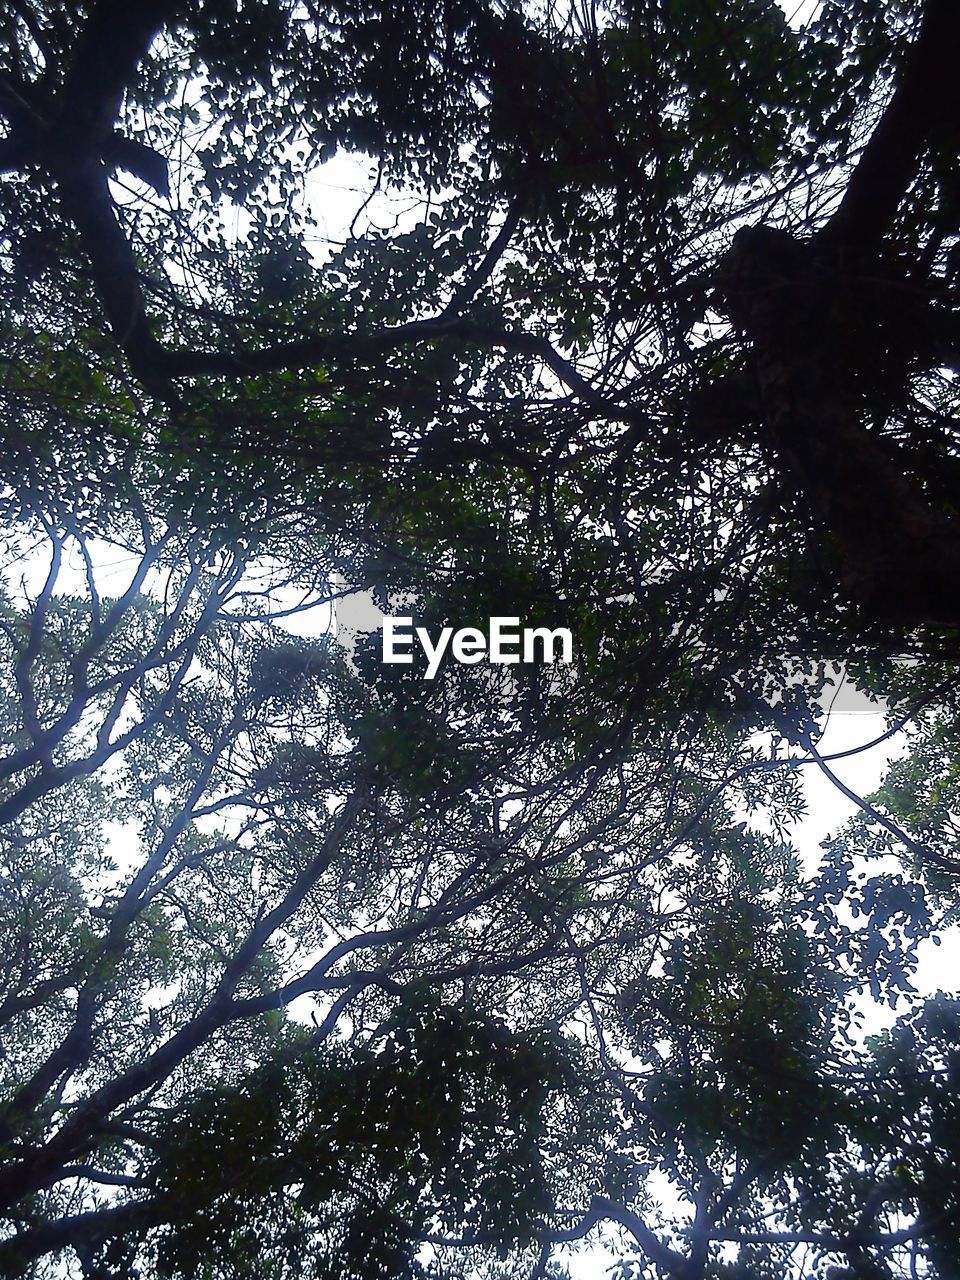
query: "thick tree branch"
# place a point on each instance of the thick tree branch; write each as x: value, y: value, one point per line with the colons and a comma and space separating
x: 18, y: 1252
x: 86, y: 201
x: 333, y: 348
x: 73, y: 138
x: 815, y: 358
x: 140, y: 160
x: 14, y: 153
x: 818, y: 343
x: 114, y: 41
x: 925, y: 104
x: 17, y: 105
x: 602, y: 1209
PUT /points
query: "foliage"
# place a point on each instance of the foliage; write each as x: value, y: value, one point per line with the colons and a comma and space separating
x: 646, y: 327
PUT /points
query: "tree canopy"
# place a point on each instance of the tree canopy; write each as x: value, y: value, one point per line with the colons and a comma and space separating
x: 646, y: 325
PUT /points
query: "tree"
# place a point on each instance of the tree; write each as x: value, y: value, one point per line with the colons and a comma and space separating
x: 810, y: 321
x: 674, y: 321
x: 289, y: 828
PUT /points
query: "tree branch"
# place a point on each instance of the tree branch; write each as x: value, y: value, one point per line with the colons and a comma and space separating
x: 926, y: 101
x: 19, y: 1251
x: 86, y: 201
x: 114, y: 41
x: 602, y: 1209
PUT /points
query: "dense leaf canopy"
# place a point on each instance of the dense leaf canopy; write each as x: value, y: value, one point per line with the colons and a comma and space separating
x: 643, y: 321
